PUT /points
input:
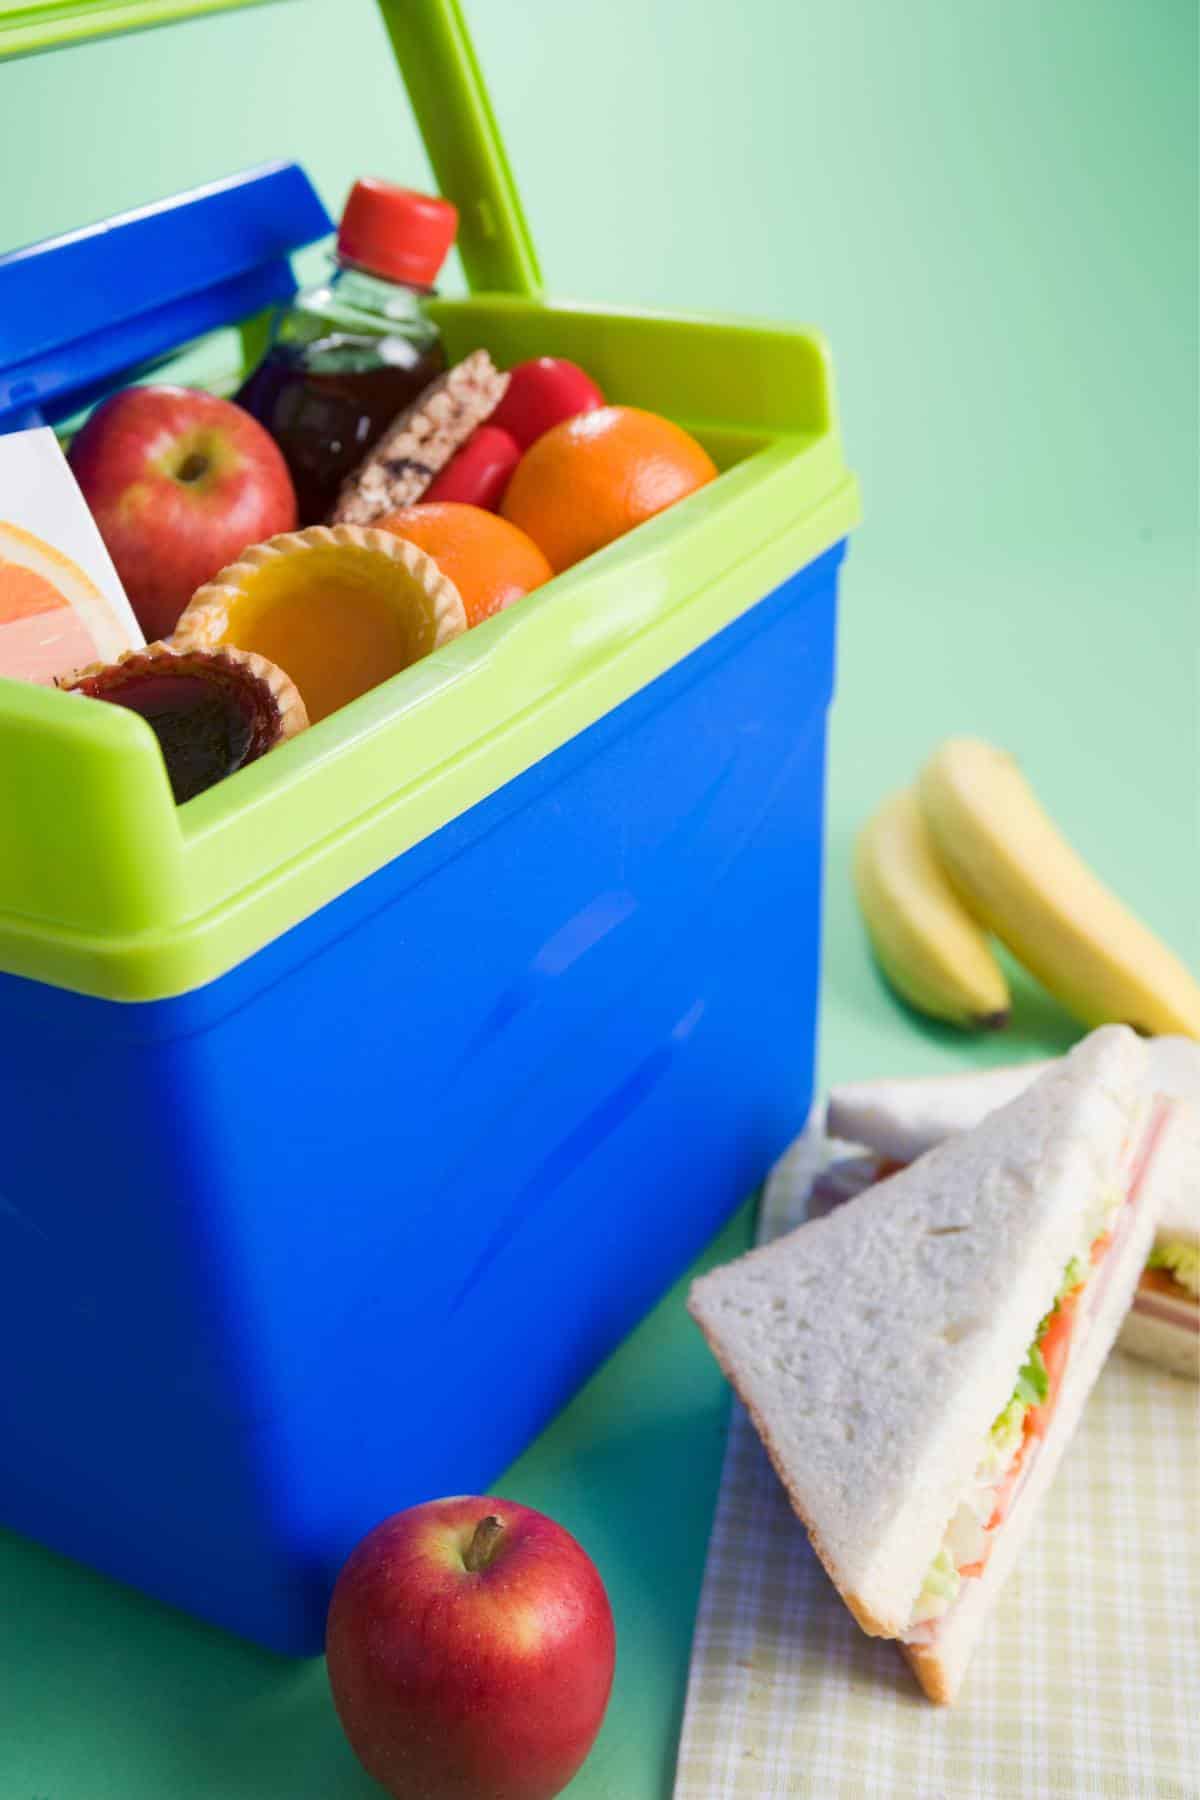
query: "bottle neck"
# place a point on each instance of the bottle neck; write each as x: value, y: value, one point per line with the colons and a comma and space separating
x: 364, y: 292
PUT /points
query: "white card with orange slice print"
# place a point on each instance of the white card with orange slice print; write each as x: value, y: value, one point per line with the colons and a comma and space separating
x: 61, y: 604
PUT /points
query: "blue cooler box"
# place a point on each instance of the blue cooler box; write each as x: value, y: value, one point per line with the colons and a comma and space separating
x: 355, y: 1110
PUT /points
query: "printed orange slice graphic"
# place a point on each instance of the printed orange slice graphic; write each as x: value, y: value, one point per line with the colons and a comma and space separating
x: 53, y: 618
x: 24, y: 592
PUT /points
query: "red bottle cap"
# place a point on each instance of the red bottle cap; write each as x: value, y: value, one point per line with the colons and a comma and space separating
x: 396, y: 233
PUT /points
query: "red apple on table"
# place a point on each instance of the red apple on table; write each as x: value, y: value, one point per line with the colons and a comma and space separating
x: 470, y: 1648
x: 179, y: 483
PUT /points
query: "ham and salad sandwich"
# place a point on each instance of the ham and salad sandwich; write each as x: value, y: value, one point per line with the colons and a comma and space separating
x: 916, y: 1361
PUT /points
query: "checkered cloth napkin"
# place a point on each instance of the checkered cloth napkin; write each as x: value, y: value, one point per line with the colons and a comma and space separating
x: 1086, y: 1681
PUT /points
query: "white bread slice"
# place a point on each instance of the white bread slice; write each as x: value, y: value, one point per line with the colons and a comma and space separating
x: 1158, y: 1329
x: 1175, y: 1181
x: 940, y: 1667
x: 902, y: 1119
x: 874, y: 1348
x: 1175, y: 1072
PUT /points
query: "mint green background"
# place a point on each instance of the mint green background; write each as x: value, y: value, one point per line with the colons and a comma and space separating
x: 992, y: 212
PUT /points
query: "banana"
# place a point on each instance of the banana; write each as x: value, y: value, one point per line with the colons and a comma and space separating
x: 928, y: 946
x: 1011, y: 866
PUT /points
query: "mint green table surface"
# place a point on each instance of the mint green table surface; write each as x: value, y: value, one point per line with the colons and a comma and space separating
x: 992, y: 213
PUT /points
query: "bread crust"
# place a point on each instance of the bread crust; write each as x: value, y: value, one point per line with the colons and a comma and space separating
x: 930, y: 1671
x: 872, y: 1623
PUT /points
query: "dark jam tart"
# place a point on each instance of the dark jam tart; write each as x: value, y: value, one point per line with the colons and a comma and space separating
x: 212, y: 711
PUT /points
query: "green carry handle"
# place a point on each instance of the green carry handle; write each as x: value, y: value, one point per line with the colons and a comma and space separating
x: 441, y: 72
x: 450, y: 99
x: 50, y: 24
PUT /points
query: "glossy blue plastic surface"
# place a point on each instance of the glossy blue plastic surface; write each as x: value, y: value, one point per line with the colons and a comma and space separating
x: 342, y: 1231
x: 81, y: 310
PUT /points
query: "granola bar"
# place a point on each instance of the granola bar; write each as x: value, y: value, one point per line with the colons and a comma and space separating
x: 421, y: 441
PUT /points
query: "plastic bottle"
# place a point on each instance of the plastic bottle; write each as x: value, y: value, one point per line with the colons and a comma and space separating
x: 347, y: 356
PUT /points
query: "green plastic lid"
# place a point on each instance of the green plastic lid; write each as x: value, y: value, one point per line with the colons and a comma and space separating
x: 108, y: 888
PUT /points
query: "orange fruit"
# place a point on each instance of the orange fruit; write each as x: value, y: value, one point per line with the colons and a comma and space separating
x: 594, y: 477
x: 490, y: 562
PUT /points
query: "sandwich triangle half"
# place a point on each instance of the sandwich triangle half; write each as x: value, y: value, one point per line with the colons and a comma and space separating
x: 877, y: 1348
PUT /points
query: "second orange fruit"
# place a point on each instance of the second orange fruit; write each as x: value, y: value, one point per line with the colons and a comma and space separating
x: 490, y: 562
x: 594, y: 477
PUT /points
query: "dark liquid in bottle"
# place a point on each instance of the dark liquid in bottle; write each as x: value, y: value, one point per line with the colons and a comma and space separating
x: 326, y: 403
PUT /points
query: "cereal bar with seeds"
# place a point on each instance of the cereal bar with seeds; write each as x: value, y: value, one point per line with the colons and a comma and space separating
x: 421, y: 441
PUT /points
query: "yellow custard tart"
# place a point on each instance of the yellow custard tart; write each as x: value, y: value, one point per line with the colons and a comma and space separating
x: 340, y: 607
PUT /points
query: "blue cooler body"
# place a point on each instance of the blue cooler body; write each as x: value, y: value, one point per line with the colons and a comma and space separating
x: 341, y: 1230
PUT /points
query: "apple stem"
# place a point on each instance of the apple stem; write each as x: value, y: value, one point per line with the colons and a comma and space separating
x: 193, y: 466
x: 484, y: 1544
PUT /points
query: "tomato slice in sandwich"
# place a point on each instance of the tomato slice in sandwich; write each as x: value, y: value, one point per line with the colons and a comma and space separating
x: 1100, y: 1246
x: 1055, y: 1346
